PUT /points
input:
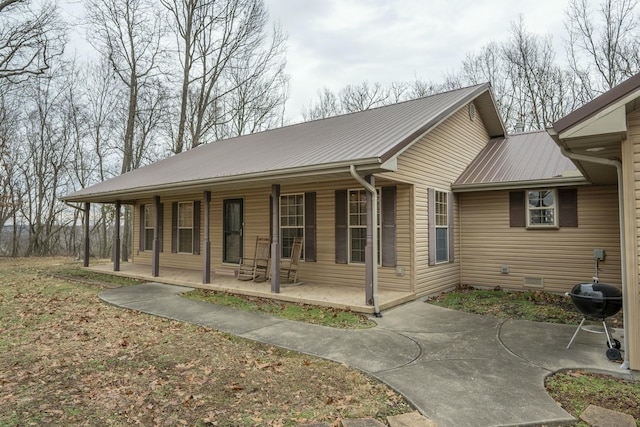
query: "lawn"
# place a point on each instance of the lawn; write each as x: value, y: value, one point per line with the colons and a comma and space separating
x: 69, y: 359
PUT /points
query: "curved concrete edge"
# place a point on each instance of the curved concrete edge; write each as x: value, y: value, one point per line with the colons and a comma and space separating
x: 456, y: 368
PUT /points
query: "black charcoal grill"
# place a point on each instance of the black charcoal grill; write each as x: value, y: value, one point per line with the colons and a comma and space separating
x: 598, y: 301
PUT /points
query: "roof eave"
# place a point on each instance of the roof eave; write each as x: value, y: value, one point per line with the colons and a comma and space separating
x: 513, y: 185
x: 365, y: 166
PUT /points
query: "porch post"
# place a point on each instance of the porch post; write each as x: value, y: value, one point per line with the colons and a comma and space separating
x: 116, y: 238
x: 369, y: 265
x: 275, y: 239
x: 206, y: 255
x: 87, y: 206
x: 155, y: 262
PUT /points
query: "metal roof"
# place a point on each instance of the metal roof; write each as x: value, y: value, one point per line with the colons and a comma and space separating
x: 366, y: 139
x: 596, y: 105
x: 519, y: 160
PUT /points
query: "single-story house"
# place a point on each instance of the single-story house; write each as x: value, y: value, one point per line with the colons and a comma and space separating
x: 449, y: 195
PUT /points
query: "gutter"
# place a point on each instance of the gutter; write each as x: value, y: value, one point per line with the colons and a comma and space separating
x: 623, y: 257
x: 374, y: 224
x: 109, y: 196
x: 564, y: 181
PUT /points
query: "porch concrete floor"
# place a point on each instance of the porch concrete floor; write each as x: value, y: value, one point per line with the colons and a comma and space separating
x: 326, y: 295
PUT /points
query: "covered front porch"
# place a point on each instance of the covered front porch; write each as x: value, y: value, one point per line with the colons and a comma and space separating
x: 351, y: 298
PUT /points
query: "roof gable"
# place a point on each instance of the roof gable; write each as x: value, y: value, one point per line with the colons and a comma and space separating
x: 367, y: 139
x: 597, y: 105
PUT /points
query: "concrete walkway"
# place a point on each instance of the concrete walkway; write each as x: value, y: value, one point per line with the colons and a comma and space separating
x: 458, y: 369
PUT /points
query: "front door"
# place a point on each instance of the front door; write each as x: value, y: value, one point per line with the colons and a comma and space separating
x: 233, y: 222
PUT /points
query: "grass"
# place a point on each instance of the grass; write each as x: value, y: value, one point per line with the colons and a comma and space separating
x: 536, y: 306
x: 576, y: 390
x: 69, y: 359
x: 325, y: 316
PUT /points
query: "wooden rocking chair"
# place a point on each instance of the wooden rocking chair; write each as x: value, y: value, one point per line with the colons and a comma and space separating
x: 289, y: 268
x: 258, y: 268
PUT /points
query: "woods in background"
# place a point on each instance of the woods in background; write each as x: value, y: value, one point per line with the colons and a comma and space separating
x: 164, y: 77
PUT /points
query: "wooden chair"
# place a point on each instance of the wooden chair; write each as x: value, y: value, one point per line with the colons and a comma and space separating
x: 258, y: 268
x: 289, y: 268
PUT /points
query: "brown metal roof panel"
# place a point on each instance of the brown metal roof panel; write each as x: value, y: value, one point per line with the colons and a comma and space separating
x: 371, y: 134
x: 521, y: 157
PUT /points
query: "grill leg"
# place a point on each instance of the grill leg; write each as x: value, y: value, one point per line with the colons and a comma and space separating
x: 576, y: 332
x: 606, y: 331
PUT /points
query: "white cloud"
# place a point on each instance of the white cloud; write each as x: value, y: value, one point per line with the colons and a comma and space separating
x: 333, y: 43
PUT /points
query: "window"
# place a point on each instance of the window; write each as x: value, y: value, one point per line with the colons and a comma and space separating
x: 291, y: 221
x: 185, y: 227
x: 541, y: 208
x: 148, y: 227
x: 442, y: 226
x: 357, y: 214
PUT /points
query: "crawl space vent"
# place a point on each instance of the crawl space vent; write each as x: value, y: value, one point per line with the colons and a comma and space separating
x: 534, y: 282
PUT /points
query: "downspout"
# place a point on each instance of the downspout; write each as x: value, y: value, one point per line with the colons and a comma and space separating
x: 374, y: 200
x: 623, y: 256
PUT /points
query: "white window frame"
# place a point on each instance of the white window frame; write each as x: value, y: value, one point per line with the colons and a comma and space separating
x: 363, y: 226
x: 288, y: 226
x: 534, y: 212
x: 441, y: 206
x: 183, y: 227
x: 149, y: 215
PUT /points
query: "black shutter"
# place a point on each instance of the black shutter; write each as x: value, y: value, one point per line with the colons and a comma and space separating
x: 310, y: 227
x: 451, y: 224
x: 174, y: 227
x: 160, y: 225
x: 431, y: 213
x: 388, y: 206
x: 568, y: 207
x: 517, y: 213
x: 142, y: 230
x: 342, y: 232
x: 196, y: 227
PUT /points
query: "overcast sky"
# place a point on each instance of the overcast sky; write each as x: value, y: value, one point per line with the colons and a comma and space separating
x: 333, y: 43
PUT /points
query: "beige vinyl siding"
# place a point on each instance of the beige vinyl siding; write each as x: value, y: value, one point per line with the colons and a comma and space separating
x: 436, y: 161
x: 631, y: 171
x: 561, y: 257
x: 256, y: 222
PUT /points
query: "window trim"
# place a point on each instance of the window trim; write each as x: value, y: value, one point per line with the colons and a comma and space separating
x: 350, y: 227
x: 179, y: 228
x: 148, y: 225
x: 437, y: 226
x: 554, y: 208
x: 300, y: 227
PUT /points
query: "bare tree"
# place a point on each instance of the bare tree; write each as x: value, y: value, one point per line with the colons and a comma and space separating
x: 45, y: 155
x: 603, y: 44
x: 328, y: 105
x: 363, y: 96
x: 224, y: 50
x: 29, y: 38
x: 128, y: 33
